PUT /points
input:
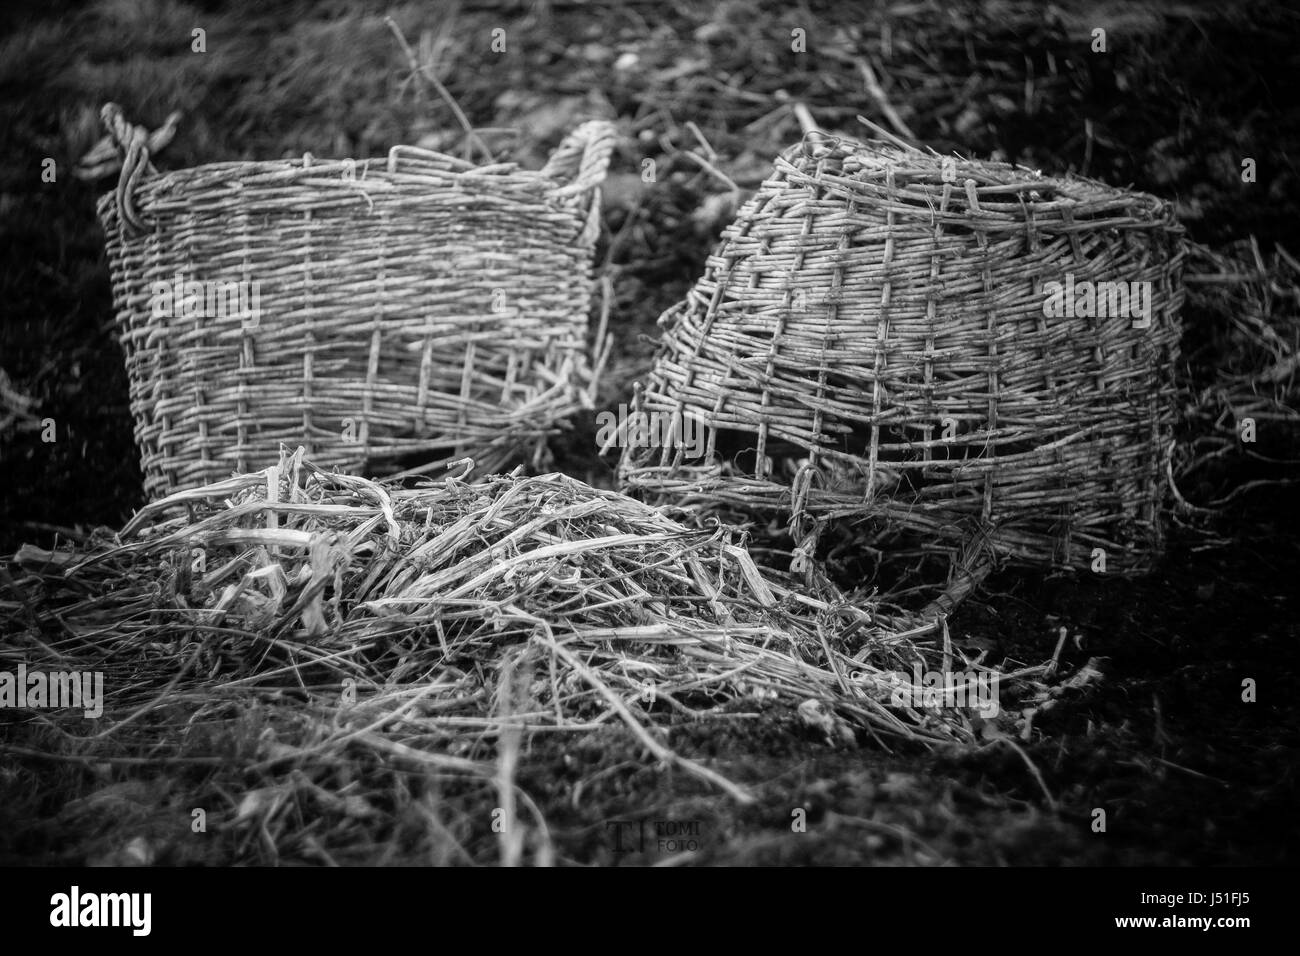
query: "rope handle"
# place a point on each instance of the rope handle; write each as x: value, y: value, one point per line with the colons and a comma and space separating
x: 133, y: 146
x: 581, y: 161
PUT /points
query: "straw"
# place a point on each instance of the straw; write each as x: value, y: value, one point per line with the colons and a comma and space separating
x: 298, y: 583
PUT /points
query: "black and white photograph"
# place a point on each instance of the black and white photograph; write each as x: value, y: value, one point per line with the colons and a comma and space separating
x: 650, y: 434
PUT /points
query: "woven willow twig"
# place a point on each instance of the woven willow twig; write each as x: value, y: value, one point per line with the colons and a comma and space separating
x: 417, y: 304
x: 869, y: 341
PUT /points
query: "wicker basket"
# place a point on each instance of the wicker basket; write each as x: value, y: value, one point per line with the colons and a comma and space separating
x: 371, y: 311
x: 870, y: 342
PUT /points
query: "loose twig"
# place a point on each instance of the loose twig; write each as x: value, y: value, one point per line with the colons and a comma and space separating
x: 425, y: 71
x: 878, y: 94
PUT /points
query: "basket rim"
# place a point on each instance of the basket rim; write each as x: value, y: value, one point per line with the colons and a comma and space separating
x: 374, y: 173
x: 571, y: 177
x: 880, y: 168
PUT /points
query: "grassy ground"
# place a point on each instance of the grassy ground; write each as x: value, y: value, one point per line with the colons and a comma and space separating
x: 1186, y: 771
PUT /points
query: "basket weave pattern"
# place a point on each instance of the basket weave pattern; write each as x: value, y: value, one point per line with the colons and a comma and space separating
x: 412, y: 305
x: 869, y: 341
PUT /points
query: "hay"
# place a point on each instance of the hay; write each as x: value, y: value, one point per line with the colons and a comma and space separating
x: 369, y: 310
x: 869, y: 345
x: 296, y: 584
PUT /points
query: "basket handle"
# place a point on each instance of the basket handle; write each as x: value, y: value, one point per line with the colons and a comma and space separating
x: 135, y: 144
x: 579, y: 163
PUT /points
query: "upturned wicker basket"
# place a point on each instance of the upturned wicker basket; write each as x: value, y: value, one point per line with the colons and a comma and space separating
x: 877, y: 341
x: 376, y: 312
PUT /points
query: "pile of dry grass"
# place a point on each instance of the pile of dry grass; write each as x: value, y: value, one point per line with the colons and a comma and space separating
x: 296, y: 626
